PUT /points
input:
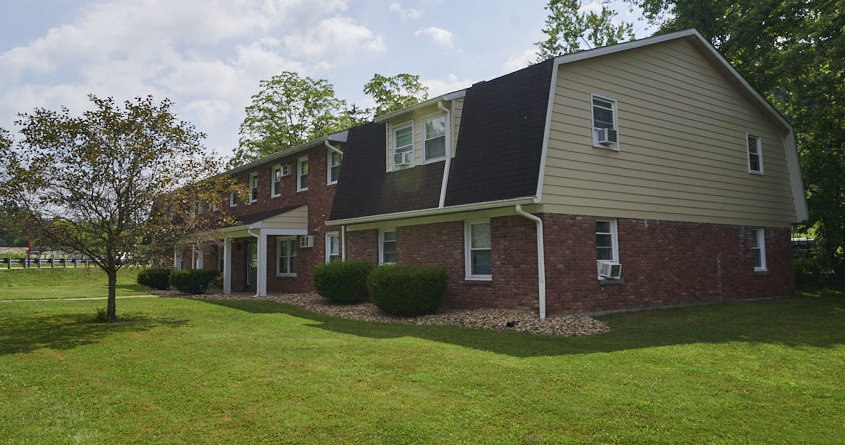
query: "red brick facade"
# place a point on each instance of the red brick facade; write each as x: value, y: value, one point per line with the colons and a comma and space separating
x: 663, y: 263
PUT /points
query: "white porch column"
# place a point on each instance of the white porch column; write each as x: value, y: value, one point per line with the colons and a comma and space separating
x: 261, y: 285
x: 227, y: 266
x: 200, y: 260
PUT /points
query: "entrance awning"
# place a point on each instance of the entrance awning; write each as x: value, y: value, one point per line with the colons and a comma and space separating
x: 291, y: 220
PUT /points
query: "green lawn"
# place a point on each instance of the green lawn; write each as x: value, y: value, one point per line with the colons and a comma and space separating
x: 65, y: 283
x: 214, y: 371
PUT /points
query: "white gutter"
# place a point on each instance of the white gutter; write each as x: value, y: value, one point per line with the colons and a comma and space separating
x: 541, y: 259
x: 333, y: 148
x: 448, y: 152
x: 434, y: 211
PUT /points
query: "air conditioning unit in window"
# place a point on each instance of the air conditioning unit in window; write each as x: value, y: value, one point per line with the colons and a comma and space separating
x: 306, y: 241
x: 285, y: 169
x: 403, y: 158
x: 610, y: 270
x: 606, y: 136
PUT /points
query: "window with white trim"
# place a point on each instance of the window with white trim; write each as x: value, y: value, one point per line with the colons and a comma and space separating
x: 253, y: 187
x: 403, y: 145
x: 477, y: 250
x: 605, y: 128
x: 434, y: 138
x: 286, y: 256
x: 387, y: 247
x: 755, y: 153
x: 607, y: 244
x: 233, y: 199
x: 333, y: 159
x: 332, y: 247
x: 758, y: 247
x: 276, y: 181
x: 215, y: 205
x: 302, y: 174
x: 177, y: 258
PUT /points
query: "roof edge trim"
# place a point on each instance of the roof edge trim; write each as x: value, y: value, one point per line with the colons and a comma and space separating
x: 433, y: 211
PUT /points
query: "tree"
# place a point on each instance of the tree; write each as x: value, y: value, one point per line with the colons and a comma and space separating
x: 288, y: 111
x: 793, y: 52
x: 106, y: 182
x: 394, y: 93
x: 567, y: 28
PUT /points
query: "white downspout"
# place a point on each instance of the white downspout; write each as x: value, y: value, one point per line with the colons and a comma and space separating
x: 333, y: 147
x: 541, y: 258
x: 448, y: 164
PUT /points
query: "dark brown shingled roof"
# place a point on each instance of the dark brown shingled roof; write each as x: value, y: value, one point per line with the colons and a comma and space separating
x: 498, y: 153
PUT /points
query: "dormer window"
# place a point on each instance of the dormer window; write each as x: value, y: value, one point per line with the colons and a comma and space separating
x: 403, y: 146
x: 605, y: 129
x: 434, y: 138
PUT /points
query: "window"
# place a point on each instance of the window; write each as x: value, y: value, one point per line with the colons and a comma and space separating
x: 276, y: 181
x: 607, y: 245
x: 605, y: 132
x: 177, y: 258
x: 233, y: 199
x: 215, y: 206
x: 332, y: 247
x: 387, y: 247
x: 434, y: 138
x: 200, y: 207
x: 286, y: 257
x: 403, y: 145
x: 758, y: 246
x: 755, y: 153
x: 253, y: 187
x: 334, y: 166
x: 477, y: 252
x: 302, y: 174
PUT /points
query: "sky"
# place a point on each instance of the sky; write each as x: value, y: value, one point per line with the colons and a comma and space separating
x: 208, y: 56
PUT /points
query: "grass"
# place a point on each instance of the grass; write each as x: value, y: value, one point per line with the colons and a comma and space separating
x: 253, y: 371
x: 65, y: 283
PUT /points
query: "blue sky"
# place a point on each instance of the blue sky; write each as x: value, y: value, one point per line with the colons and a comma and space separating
x: 208, y: 56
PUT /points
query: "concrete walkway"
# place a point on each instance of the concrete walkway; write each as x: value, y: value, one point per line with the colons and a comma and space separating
x: 78, y: 299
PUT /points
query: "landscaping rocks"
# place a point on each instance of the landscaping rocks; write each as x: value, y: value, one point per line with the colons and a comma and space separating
x: 497, y: 319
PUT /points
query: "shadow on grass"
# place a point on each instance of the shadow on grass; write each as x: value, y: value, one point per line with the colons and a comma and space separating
x: 808, y: 320
x: 67, y: 331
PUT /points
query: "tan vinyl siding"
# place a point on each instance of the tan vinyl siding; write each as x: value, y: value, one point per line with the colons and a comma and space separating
x: 294, y: 219
x: 682, y: 139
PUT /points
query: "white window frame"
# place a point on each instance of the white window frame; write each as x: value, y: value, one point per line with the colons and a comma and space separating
x: 468, y: 251
x: 393, y: 147
x: 446, y: 148
x: 233, y: 199
x: 329, y: 155
x: 215, y: 205
x: 615, y: 111
x: 253, y: 187
x: 329, y: 246
x: 177, y: 258
x: 614, y: 237
x: 299, y: 162
x: 290, y: 258
x: 759, y: 152
x: 759, y: 239
x: 381, y: 233
x: 273, y: 170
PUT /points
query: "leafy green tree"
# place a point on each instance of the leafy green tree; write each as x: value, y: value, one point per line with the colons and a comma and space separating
x: 396, y: 92
x: 568, y: 29
x: 793, y: 51
x: 104, y: 183
x: 288, y: 111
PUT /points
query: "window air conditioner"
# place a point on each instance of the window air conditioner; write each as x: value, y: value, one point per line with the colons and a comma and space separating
x: 306, y: 241
x: 403, y: 158
x: 285, y: 169
x: 606, y: 136
x: 610, y: 270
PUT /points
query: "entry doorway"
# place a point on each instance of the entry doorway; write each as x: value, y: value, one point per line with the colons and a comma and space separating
x: 251, y: 264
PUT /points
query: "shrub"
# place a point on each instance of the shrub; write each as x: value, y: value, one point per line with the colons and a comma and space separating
x: 342, y: 281
x: 407, y: 290
x: 192, y: 281
x: 155, y: 278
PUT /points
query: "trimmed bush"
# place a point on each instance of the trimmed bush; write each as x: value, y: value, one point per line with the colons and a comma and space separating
x: 155, y: 278
x: 407, y: 290
x: 342, y: 281
x: 192, y: 281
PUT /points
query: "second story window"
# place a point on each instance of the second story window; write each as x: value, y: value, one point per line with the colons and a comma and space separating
x: 253, y: 187
x: 302, y: 174
x: 605, y: 132
x: 403, y: 146
x: 755, y: 153
x: 434, y: 138
x: 333, y: 166
x: 276, y: 181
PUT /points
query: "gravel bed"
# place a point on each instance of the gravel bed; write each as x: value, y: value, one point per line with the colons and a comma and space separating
x: 498, y: 319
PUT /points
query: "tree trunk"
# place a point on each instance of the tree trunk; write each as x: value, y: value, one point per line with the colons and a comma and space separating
x: 111, y: 310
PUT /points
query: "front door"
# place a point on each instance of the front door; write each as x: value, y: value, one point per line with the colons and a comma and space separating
x: 251, y: 264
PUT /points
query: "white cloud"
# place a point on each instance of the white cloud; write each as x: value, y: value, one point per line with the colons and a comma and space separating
x: 520, y: 61
x: 406, y: 14
x: 333, y: 40
x: 436, y: 87
x: 438, y: 35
